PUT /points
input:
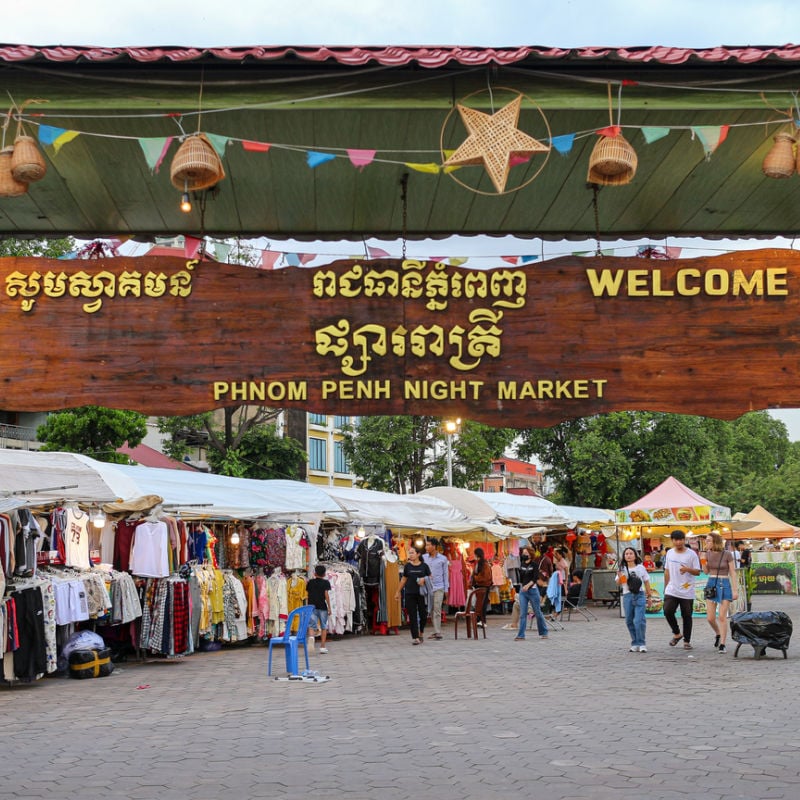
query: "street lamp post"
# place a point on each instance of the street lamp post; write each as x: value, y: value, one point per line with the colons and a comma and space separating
x: 451, y: 427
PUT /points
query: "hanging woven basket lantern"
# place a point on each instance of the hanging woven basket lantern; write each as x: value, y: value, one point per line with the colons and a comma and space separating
x: 27, y: 163
x: 779, y: 162
x: 196, y: 165
x: 9, y: 185
x: 613, y: 161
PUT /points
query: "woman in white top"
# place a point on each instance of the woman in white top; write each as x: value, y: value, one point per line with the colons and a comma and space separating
x: 634, y: 602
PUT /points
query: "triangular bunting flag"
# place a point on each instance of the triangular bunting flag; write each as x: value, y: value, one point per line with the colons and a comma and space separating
x: 314, y: 159
x: 456, y: 261
x: 218, y: 143
x: 154, y: 151
x: 57, y: 137
x: 611, y: 130
x: 377, y: 252
x: 306, y: 257
x: 255, y: 147
x: 268, y: 259
x: 191, y: 246
x: 652, y: 133
x: 515, y: 160
x: 710, y: 136
x: 222, y: 251
x: 292, y: 259
x: 360, y: 158
x: 510, y: 259
x: 528, y: 259
x: 433, y: 169
x: 563, y: 144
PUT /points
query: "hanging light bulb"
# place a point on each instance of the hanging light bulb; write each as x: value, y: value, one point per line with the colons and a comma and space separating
x: 360, y: 532
x: 98, y: 518
x: 235, y: 537
x: 186, y: 203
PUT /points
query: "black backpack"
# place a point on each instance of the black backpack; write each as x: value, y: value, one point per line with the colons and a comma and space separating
x: 634, y: 583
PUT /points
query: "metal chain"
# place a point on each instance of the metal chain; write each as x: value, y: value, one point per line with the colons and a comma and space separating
x: 595, y: 190
x: 404, y: 198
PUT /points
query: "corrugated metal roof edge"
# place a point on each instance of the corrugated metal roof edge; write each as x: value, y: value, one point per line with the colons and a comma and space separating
x: 430, y: 57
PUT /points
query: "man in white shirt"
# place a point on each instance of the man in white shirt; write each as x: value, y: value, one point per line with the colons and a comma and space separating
x: 681, y: 567
x: 440, y: 580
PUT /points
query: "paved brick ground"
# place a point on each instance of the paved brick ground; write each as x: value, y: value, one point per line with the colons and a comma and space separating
x: 576, y: 716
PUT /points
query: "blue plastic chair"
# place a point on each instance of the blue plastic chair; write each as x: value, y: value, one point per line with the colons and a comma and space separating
x: 291, y: 642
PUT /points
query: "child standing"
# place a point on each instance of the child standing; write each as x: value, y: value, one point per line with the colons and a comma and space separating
x: 318, y: 589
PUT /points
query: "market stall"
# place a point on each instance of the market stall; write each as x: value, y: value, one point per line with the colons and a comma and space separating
x: 645, y: 523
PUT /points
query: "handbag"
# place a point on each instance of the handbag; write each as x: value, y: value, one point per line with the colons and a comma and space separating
x: 710, y: 592
x: 634, y: 582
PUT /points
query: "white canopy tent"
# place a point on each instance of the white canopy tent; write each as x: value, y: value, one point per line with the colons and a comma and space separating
x: 202, y: 495
x: 419, y: 511
x: 35, y: 478
x: 525, y: 510
x: 588, y: 516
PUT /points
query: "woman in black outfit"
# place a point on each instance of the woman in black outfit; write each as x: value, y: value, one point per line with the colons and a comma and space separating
x: 414, y: 573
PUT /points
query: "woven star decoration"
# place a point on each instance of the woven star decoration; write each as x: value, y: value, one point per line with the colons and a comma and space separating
x: 492, y: 140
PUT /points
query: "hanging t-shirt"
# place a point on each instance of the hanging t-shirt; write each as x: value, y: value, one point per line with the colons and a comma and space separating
x: 149, y: 557
x: 76, y: 539
x: 295, y: 552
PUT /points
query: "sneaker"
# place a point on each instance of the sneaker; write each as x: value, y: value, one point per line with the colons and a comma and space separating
x: 716, y: 641
x: 642, y: 649
x: 479, y: 624
x: 543, y: 637
x: 323, y: 649
x: 311, y: 642
x: 634, y: 649
x: 722, y: 649
x: 508, y: 628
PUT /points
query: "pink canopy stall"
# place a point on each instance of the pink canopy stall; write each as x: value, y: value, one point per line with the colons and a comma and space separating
x: 672, y: 503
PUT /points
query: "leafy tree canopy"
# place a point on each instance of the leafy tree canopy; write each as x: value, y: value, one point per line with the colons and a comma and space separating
x: 610, y: 460
x: 93, y: 431
x: 261, y: 454
x: 406, y: 454
x: 42, y: 248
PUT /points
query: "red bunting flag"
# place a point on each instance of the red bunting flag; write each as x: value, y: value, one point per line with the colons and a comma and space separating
x: 611, y: 131
x: 268, y: 259
x: 255, y: 147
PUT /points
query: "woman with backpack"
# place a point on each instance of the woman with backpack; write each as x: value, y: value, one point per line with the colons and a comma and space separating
x: 634, y: 581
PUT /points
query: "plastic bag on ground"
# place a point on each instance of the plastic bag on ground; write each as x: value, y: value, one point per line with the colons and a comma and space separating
x: 762, y: 628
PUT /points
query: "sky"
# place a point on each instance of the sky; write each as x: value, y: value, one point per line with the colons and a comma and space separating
x: 560, y: 23
x: 485, y: 23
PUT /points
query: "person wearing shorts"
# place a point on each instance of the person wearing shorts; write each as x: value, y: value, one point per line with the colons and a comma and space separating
x: 721, y: 571
x: 318, y: 589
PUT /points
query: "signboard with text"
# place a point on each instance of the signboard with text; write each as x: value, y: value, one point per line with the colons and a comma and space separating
x: 514, y: 346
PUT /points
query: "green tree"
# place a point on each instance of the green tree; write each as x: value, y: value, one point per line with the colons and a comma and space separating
x: 41, y: 248
x: 261, y: 454
x: 612, y: 459
x: 93, y: 431
x: 240, y: 441
x: 406, y: 454
x: 219, y: 432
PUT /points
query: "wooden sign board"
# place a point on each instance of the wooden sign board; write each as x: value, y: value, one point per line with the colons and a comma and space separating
x: 514, y: 346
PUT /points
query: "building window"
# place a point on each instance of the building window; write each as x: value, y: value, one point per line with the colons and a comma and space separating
x: 318, y: 419
x: 341, y: 422
x: 339, y: 458
x: 318, y: 454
